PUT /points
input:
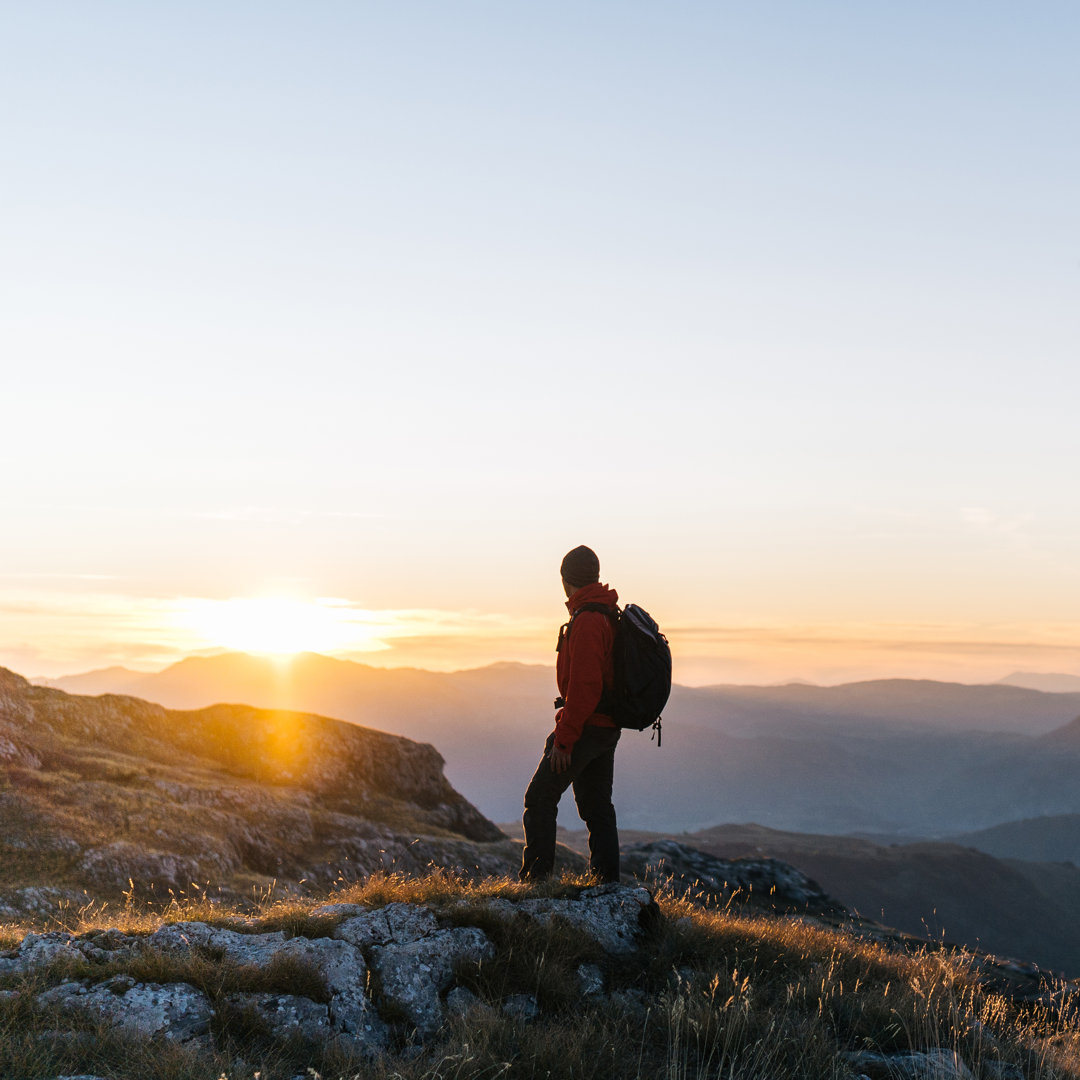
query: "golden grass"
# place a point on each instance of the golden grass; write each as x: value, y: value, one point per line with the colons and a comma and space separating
x: 712, y: 994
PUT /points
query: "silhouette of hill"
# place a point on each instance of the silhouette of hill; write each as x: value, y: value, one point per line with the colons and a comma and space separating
x: 1044, y: 839
x: 1068, y: 735
x: 1047, y: 682
x: 109, y: 680
x: 904, y: 757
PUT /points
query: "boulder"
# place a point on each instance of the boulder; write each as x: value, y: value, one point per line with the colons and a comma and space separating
x: 287, y: 1014
x: 39, y: 950
x: 174, y: 1011
x: 414, y: 974
x: 340, y: 965
x: 614, y: 916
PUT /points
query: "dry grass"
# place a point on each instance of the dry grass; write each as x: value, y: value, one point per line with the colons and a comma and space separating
x: 713, y: 994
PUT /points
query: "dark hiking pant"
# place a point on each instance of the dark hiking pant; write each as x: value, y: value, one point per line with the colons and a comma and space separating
x: 592, y: 765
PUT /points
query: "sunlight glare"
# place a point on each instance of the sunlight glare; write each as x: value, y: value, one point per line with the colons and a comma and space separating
x: 278, y: 625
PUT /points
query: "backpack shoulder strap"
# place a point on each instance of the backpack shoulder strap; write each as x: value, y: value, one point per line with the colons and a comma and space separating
x: 612, y: 613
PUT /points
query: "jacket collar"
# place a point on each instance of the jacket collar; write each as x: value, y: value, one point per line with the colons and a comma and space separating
x: 592, y: 594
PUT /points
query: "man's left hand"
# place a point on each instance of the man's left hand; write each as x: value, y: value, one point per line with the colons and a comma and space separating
x: 559, y: 759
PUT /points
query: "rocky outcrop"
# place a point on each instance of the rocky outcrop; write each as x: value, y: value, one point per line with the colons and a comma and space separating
x: 764, y: 882
x: 375, y: 970
x: 114, y: 794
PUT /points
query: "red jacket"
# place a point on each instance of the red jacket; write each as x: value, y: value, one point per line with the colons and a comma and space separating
x: 584, y: 665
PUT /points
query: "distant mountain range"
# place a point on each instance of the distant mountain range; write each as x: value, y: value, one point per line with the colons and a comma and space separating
x: 900, y: 757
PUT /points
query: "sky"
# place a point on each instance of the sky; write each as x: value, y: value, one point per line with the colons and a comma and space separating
x: 335, y: 325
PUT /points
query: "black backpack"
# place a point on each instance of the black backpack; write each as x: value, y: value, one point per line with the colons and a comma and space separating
x: 642, y: 661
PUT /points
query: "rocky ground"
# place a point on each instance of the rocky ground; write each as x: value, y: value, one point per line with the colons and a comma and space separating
x: 374, y: 985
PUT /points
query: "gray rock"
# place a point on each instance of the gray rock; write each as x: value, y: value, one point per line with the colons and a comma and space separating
x: 340, y: 964
x: 39, y: 950
x: 397, y: 924
x: 521, y: 1007
x: 114, y: 865
x: 242, y: 948
x: 707, y: 877
x: 344, y: 971
x: 175, y: 1011
x: 590, y: 980
x: 936, y: 1064
x: 612, y: 915
x: 415, y: 973
x: 287, y: 1014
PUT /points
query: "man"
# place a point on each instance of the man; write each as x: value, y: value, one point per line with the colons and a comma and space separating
x: 581, y: 749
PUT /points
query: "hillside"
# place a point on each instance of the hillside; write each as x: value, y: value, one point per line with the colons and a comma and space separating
x: 426, y: 978
x: 95, y: 792
x: 910, y: 757
x: 1003, y: 905
x: 1043, y: 839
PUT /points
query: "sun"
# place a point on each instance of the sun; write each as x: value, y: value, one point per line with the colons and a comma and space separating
x: 276, y: 625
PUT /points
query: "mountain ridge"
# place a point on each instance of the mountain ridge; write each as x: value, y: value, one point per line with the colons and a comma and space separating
x: 914, y: 757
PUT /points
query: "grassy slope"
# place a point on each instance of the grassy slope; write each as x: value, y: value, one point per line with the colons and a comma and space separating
x: 727, y: 994
x: 1011, y: 907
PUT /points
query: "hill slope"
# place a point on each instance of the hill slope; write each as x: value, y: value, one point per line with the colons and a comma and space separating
x: 97, y: 791
x: 1007, y: 906
x: 1044, y: 839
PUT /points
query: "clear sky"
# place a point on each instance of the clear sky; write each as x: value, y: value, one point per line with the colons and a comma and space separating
x: 380, y: 308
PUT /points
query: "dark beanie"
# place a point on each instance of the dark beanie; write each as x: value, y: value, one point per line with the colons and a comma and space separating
x: 580, y: 567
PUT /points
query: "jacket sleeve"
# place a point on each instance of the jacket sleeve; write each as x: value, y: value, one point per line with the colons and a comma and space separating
x: 587, y: 643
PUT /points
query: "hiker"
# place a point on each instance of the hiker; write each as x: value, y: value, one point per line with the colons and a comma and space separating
x: 581, y: 749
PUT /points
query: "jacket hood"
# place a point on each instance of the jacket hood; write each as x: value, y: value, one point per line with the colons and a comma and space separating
x: 592, y: 594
